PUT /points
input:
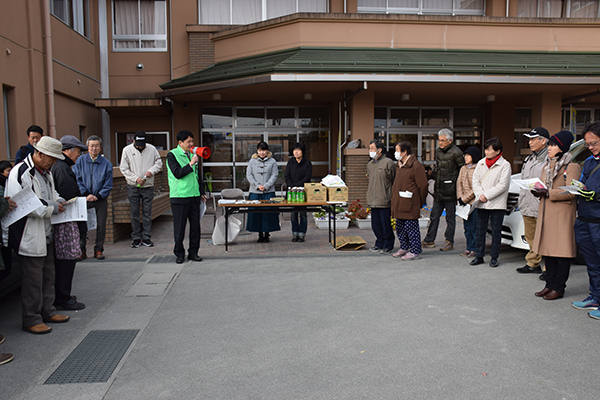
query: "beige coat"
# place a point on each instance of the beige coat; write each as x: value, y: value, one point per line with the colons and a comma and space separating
x: 554, y: 232
x: 464, y: 184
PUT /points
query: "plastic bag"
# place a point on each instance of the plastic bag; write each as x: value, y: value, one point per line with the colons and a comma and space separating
x: 235, y: 226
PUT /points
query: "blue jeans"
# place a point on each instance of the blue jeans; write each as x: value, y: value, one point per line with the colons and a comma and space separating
x: 471, y: 231
x: 496, y: 217
x: 587, y: 236
x: 382, y: 228
x: 299, y: 223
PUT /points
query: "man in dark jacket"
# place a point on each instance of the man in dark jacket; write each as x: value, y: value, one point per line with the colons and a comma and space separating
x: 34, y: 134
x: 66, y: 185
x: 449, y: 160
x: 298, y: 171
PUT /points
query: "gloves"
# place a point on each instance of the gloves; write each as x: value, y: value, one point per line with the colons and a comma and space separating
x: 461, y: 202
x: 588, y: 195
x: 539, y: 192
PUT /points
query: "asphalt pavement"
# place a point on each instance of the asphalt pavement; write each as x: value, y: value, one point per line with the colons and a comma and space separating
x: 280, y: 321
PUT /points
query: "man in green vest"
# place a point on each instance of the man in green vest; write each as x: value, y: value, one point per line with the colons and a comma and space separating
x: 186, y: 192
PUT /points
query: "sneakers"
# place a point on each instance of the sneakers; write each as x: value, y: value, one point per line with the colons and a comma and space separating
x: 447, y: 246
x: 385, y: 252
x: 399, y: 253
x: 594, y: 314
x: 427, y: 244
x: 136, y: 243
x: 410, y: 257
x: 147, y: 243
x: 6, y: 358
x: 375, y: 249
x: 98, y: 255
x: 588, y: 304
x: 472, y: 254
x: 529, y: 270
x: 71, y: 305
x: 82, y: 257
x: 465, y: 253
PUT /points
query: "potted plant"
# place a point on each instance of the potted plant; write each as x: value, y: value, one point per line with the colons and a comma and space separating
x: 359, y: 215
x: 321, y: 219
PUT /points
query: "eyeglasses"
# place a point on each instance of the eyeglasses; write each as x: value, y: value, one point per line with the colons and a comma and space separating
x: 94, y: 146
x: 592, y: 144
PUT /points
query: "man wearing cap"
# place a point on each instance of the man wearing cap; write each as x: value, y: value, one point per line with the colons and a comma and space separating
x: 95, y: 179
x: 140, y: 161
x: 66, y: 186
x: 32, y: 236
x: 528, y: 203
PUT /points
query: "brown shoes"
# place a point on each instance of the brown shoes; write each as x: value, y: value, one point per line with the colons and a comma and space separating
x: 38, y: 329
x: 553, y: 295
x: 429, y: 245
x: 82, y: 257
x: 6, y: 358
x: 58, y: 319
x: 98, y: 255
x: 543, y: 292
x: 447, y: 246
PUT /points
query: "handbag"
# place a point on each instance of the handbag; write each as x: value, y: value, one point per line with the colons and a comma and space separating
x: 66, y: 241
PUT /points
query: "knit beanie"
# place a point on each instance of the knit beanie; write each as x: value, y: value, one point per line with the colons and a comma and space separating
x: 563, y: 140
x: 475, y: 153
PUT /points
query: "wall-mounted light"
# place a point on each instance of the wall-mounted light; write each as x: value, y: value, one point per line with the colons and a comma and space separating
x: 490, y: 98
x: 307, y: 96
x: 405, y: 97
x: 139, y: 66
x: 216, y: 96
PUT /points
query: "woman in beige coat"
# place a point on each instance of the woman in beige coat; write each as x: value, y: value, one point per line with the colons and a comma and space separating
x: 554, y: 232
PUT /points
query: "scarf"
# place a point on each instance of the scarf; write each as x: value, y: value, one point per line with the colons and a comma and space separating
x: 491, y: 162
x: 553, y: 167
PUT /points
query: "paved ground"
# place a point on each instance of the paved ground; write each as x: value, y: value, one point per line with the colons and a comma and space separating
x: 301, y: 321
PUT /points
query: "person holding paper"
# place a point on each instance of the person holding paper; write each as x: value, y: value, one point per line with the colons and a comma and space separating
x: 408, y: 196
x: 491, y: 180
x: 587, y: 226
x: 31, y: 237
x: 554, y: 234
x: 465, y: 195
x: 66, y: 186
x: 528, y: 203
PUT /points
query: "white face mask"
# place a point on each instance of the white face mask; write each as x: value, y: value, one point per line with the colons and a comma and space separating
x: 372, y: 154
x: 398, y: 155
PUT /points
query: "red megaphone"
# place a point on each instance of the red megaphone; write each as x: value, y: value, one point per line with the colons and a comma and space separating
x: 203, y: 152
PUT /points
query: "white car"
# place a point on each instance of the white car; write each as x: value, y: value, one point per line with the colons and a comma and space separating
x: 513, y: 231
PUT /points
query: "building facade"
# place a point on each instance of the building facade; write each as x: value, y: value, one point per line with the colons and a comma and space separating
x: 325, y: 72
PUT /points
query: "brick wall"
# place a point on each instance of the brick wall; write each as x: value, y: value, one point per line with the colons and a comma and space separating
x: 202, y: 51
x: 356, y: 177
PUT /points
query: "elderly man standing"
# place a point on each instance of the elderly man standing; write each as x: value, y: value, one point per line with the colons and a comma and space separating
x: 66, y: 186
x: 381, y: 172
x: 95, y: 179
x: 449, y: 160
x: 139, y: 163
x: 32, y: 236
x: 528, y: 203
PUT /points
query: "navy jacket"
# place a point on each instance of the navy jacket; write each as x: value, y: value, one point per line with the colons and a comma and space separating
x: 297, y: 174
x: 94, y: 177
x: 21, y: 155
x: 589, y: 211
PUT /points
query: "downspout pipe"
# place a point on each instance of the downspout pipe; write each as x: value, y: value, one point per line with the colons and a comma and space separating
x: 507, y: 7
x: 49, y: 70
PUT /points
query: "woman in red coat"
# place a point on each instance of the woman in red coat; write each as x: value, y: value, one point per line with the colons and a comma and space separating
x: 408, y: 196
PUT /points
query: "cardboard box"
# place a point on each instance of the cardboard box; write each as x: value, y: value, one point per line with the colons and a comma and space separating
x: 315, y: 192
x: 349, y: 243
x: 337, y: 193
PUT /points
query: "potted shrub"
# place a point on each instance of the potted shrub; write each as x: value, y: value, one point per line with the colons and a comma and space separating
x: 341, y: 221
x: 359, y: 215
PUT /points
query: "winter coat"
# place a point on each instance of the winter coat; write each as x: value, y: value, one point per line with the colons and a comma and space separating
x: 411, y: 178
x: 554, y: 232
x: 532, y: 168
x: 65, y: 179
x: 448, y: 161
x: 381, y: 173
x: 589, y: 211
x: 464, y: 184
x: 262, y: 171
x: 298, y: 173
x: 135, y: 164
x: 493, y: 183
x: 30, y: 235
x: 94, y: 177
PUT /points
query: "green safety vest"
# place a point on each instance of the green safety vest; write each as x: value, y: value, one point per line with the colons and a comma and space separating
x: 186, y: 186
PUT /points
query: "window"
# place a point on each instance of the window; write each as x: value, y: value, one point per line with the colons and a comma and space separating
x: 436, y: 7
x: 242, y: 12
x: 74, y: 13
x: 558, y: 9
x: 139, y: 25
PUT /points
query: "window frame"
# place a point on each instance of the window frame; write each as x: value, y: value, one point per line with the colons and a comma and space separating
x: 263, y: 12
x: 69, y: 11
x: 140, y: 37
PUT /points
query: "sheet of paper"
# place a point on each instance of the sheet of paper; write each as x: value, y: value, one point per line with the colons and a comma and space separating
x: 26, y: 201
x: 571, y: 189
x: 92, y: 221
x: 463, y: 211
x: 528, y: 184
x: 74, y: 211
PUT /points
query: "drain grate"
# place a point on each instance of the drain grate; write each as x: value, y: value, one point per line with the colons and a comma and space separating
x: 162, y: 259
x: 115, y: 260
x: 95, y: 358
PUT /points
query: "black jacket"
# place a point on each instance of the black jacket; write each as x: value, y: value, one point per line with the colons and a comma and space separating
x: 298, y: 173
x: 449, y: 161
x: 65, y: 180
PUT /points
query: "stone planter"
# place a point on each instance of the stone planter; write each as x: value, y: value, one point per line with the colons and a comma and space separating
x: 363, y: 223
x: 339, y: 223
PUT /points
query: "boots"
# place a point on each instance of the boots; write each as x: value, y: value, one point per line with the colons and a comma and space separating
x: 266, y: 237
x: 261, y: 237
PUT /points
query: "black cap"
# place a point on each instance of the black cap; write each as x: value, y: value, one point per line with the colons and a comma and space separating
x: 563, y: 140
x: 140, y: 138
x: 539, y: 131
x: 474, y: 152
